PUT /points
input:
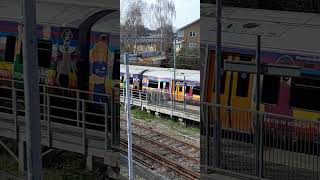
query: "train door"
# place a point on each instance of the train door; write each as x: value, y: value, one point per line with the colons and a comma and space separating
x: 179, y: 91
x: 225, y: 77
x: 241, y: 96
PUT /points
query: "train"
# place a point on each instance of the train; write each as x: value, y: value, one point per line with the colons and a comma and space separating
x: 73, y: 66
x: 287, y: 38
x: 146, y: 79
x: 59, y: 58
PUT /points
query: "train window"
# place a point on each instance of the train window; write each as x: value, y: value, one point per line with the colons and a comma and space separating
x: 270, y: 89
x: 44, y: 53
x: 180, y: 88
x: 305, y: 93
x: 196, y: 90
x: 245, y: 58
x: 167, y: 85
x: 10, y: 48
x: 161, y: 85
x: 188, y: 89
x: 153, y: 84
x: 243, y: 84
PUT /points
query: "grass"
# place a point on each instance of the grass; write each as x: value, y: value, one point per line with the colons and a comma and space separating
x: 162, y: 120
x: 9, y: 165
x: 65, y: 167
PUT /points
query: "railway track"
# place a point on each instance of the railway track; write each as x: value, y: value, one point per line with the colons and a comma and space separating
x: 159, y: 151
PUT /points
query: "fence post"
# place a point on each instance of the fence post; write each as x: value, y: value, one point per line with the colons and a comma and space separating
x: 184, y: 93
x: 14, y: 111
x: 140, y: 100
x: 49, y: 122
x: 78, y: 107
x: 259, y: 124
x: 124, y: 97
x: 106, y: 118
x: 84, y: 135
x: 158, y: 98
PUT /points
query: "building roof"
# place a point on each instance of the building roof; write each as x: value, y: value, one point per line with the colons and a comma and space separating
x: 66, y: 13
x: 193, y: 22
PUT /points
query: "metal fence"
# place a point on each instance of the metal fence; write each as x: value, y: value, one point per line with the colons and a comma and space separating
x: 69, y: 107
x: 259, y: 145
x: 175, y: 102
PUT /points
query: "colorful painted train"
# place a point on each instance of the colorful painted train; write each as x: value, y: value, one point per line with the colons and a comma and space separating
x: 284, y: 41
x: 147, y: 78
x: 59, y: 59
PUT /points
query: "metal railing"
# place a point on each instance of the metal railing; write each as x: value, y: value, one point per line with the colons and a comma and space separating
x: 282, y: 147
x: 69, y: 107
x: 183, y: 103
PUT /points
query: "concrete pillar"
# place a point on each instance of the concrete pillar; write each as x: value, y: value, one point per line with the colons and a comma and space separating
x: 22, y: 156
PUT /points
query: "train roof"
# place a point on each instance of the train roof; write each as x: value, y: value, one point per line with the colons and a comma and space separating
x: 66, y: 13
x: 166, y: 73
x: 281, y: 31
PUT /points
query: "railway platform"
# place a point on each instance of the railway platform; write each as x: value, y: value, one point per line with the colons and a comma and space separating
x: 162, y: 103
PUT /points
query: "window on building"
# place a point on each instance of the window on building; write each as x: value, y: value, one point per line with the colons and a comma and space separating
x: 153, y: 84
x: 44, y: 53
x: 305, y: 93
x: 192, y: 45
x: 131, y: 80
x: 270, y: 89
x: 192, y: 34
x: 121, y: 79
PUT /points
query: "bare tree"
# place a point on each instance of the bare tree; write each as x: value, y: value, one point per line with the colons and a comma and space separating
x: 163, y: 13
x: 132, y: 21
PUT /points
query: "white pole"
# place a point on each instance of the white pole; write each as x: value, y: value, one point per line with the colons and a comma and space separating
x: 174, y: 74
x: 31, y: 91
x: 128, y: 109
